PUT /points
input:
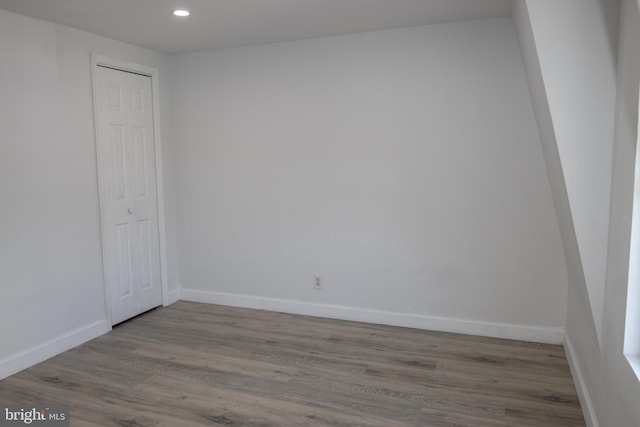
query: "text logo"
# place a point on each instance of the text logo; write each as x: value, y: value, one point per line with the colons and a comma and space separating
x: 34, y: 415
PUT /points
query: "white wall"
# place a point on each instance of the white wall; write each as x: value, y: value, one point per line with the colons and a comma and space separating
x: 620, y: 388
x: 611, y: 14
x: 403, y: 166
x: 578, y: 69
x: 51, y: 285
x: 583, y: 332
x: 609, y: 388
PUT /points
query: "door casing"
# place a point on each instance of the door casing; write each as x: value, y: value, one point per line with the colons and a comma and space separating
x: 144, y: 70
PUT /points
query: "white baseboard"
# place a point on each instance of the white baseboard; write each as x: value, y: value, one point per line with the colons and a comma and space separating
x: 418, y: 321
x: 173, y: 296
x: 24, y: 359
x: 588, y: 410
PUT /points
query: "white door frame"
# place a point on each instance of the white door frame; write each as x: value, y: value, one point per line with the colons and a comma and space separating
x: 144, y: 70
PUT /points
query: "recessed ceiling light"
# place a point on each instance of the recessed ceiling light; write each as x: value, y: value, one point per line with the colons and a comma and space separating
x: 181, y: 12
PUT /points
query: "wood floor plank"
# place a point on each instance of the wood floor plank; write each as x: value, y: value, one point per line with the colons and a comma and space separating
x: 194, y: 364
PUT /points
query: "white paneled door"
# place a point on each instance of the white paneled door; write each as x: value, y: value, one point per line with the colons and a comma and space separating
x: 129, y: 207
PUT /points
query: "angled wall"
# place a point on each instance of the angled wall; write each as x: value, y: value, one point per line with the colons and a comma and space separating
x: 578, y: 72
x: 587, y: 90
x: 620, y: 386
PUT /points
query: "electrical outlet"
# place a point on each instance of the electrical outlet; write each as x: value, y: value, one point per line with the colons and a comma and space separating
x: 317, y: 282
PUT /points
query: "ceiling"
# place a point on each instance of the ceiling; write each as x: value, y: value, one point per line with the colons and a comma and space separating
x: 226, y: 23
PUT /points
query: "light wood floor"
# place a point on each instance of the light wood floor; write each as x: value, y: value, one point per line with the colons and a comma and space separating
x: 195, y: 364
